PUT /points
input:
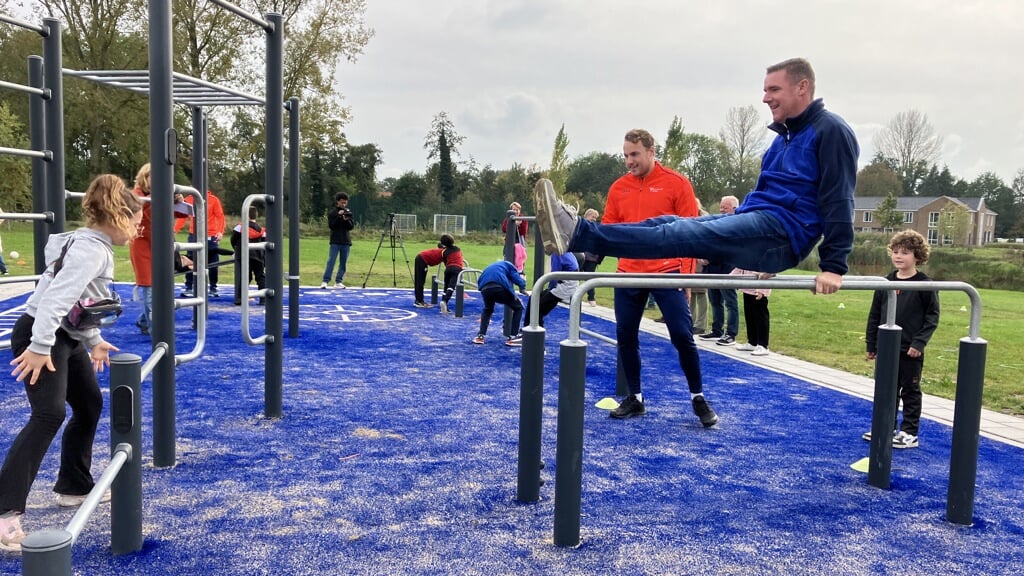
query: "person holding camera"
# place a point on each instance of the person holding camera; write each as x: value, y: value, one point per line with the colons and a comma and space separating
x: 341, y: 223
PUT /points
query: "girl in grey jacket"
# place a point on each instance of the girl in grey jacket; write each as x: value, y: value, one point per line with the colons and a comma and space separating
x: 58, y: 349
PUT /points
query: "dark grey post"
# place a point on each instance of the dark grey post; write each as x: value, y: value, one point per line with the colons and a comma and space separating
x: 126, y: 428
x: 433, y: 289
x: 273, y: 350
x: 963, y: 458
x: 163, y: 156
x: 37, y: 134
x: 54, y: 78
x: 883, y: 413
x: 46, y: 553
x: 294, y: 171
x: 200, y: 276
x: 509, y: 251
x: 460, y: 295
x: 572, y: 371
x: 531, y: 409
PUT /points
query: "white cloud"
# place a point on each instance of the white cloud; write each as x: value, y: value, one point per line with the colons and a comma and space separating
x: 511, y: 72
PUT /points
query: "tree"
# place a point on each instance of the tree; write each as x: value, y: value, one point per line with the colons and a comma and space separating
x: 744, y: 133
x: 706, y: 165
x: 877, y: 180
x: 442, y: 142
x: 558, y: 172
x: 593, y: 173
x: 408, y: 193
x: 15, y: 172
x: 673, y: 153
x: 910, y: 141
x: 954, y: 223
x: 886, y: 214
x: 942, y: 183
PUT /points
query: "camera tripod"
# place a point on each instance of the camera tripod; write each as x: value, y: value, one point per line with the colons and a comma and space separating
x: 391, y: 231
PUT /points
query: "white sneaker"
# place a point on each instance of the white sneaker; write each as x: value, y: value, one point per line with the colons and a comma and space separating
x: 745, y: 347
x: 557, y: 221
x: 444, y: 307
x: 323, y: 285
x: 591, y: 303
x: 904, y: 440
x: 759, y: 351
x: 339, y: 285
x: 11, y: 534
x: 73, y: 501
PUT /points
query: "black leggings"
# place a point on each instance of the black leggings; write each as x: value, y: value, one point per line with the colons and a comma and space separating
x: 73, y: 382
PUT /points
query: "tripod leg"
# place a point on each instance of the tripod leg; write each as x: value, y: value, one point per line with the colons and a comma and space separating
x: 379, y: 244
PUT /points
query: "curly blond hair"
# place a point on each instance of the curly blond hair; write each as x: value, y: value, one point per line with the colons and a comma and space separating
x: 109, y: 202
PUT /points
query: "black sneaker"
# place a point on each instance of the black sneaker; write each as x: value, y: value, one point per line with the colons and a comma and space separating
x: 660, y: 319
x: 710, y: 336
x: 703, y: 411
x: 726, y: 340
x: 213, y: 293
x: 630, y: 407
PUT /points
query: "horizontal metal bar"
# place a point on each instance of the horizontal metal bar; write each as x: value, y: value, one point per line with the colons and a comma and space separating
x: 26, y: 25
x: 27, y: 153
x: 122, y: 454
x: 247, y: 15
x: 23, y: 88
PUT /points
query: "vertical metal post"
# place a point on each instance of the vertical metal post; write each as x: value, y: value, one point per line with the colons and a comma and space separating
x: 37, y: 134
x: 126, y: 428
x: 163, y: 156
x: 963, y: 458
x: 460, y: 296
x: 46, y: 553
x: 53, y: 73
x: 274, y: 350
x: 200, y: 274
x: 295, y: 192
x: 572, y: 371
x: 883, y: 413
x: 531, y: 410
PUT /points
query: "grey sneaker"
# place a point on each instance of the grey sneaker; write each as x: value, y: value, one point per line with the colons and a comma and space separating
x: 557, y: 221
x: 11, y: 534
x: 444, y: 307
x: 904, y: 440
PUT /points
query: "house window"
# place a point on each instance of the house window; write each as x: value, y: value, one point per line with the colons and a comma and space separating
x: 933, y: 236
x: 908, y: 217
x: 867, y: 216
x: 933, y: 219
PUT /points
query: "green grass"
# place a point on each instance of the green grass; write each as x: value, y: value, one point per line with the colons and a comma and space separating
x: 804, y: 325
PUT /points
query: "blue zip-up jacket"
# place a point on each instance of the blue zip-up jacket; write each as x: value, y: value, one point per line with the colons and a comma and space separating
x: 807, y: 179
x: 503, y: 273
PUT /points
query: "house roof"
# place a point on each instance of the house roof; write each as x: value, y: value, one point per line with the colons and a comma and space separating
x: 915, y: 203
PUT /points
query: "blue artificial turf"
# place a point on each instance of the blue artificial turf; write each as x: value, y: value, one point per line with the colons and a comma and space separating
x: 397, y: 454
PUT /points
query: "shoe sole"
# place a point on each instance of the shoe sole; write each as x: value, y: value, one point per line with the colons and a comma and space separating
x: 543, y: 193
x: 711, y: 423
x: 627, y: 416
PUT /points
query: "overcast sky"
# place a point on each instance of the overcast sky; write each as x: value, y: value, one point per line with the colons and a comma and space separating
x: 509, y: 73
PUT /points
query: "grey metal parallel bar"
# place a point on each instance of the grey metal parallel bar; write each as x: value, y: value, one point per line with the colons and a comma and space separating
x: 23, y: 88
x: 42, y: 30
x: 966, y: 428
x: 266, y: 25
x: 243, y: 285
x: 199, y: 303
x: 26, y: 153
x: 28, y: 217
x: 121, y: 454
x: 126, y: 429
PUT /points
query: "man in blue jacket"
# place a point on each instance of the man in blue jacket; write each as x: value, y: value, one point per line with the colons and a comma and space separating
x: 496, y: 287
x: 804, y: 193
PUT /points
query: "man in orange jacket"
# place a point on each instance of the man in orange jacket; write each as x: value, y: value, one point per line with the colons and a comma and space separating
x: 647, y: 191
x: 214, y: 232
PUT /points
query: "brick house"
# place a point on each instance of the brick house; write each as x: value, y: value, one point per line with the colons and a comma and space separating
x: 923, y: 213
